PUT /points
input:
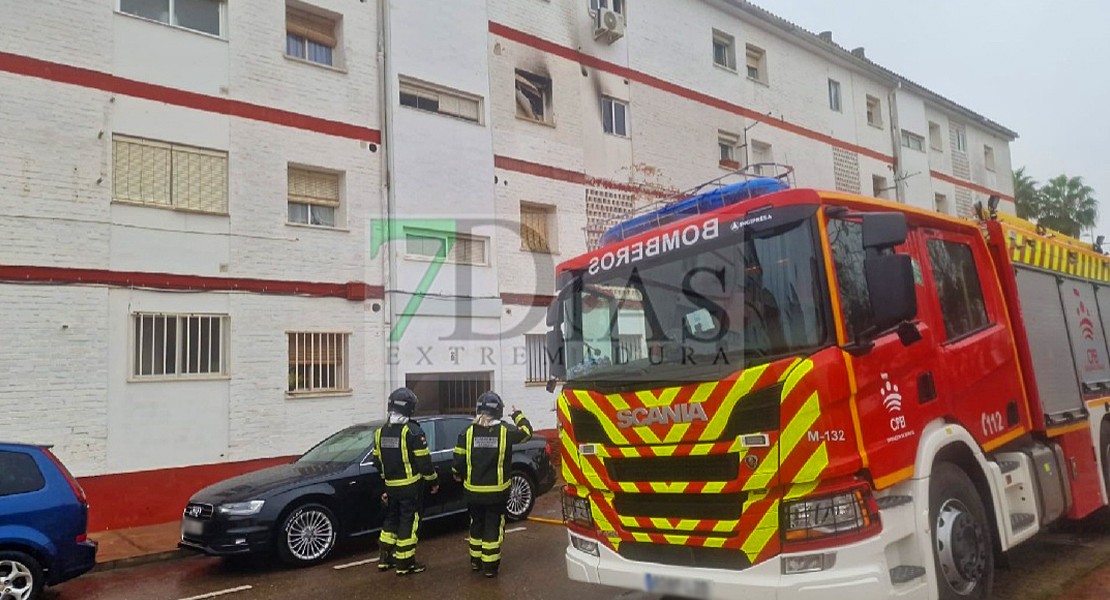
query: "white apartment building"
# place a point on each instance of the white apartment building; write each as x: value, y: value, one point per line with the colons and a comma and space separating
x: 230, y: 227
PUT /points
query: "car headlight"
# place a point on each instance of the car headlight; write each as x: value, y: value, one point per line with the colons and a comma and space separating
x: 241, y: 509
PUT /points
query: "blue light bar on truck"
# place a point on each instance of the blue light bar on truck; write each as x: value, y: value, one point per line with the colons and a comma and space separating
x: 694, y: 205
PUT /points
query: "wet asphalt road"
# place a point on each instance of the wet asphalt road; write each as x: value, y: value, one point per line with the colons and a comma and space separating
x: 1044, y: 568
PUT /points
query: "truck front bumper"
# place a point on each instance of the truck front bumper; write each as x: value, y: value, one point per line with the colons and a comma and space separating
x: 860, y: 572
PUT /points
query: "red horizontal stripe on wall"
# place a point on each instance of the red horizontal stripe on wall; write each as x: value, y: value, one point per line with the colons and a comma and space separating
x: 969, y: 185
x: 143, y: 498
x: 354, y: 290
x: 51, y: 71
x: 526, y: 299
x: 666, y: 86
x: 531, y: 168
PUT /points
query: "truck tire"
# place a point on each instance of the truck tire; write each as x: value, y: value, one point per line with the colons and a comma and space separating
x: 962, y: 550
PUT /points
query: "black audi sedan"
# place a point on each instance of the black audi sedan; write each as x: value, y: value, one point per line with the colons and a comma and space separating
x: 302, y: 509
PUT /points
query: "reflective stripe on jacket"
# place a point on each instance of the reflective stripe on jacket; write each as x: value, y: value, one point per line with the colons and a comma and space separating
x: 483, y: 454
x: 401, y: 454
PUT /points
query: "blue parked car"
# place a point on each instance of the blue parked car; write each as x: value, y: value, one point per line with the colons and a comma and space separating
x: 43, y: 522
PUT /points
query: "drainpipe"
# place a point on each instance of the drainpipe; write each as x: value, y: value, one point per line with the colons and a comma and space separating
x: 385, y: 77
x: 896, y: 140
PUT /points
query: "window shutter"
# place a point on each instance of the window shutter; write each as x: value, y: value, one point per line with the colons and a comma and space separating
x: 200, y: 180
x: 533, y: 228
x: 313, y: 187
x: 310, y: 26
x: 141, y: 171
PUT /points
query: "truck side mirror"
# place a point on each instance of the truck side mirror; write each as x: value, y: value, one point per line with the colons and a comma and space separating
x: 556, y: 354
x: 883, y: 230
x: 891, y: 289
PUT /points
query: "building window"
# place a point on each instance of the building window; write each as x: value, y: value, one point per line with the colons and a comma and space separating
x: 536, y: 222
x: 879, y: 186
x: 614, y: 116
x: 988, y: 158
x: 310, y: 36
x: 616, y: 6
x: 940, y: 203
x: 179, y: 346
x: 457, y: 248
x: 724, y: 50
x: 913, y: 141
x: 441, y: 100
x: 726, y: 145
x: 763, y: 158
x: 318, y: 362
x: 539, y: 363
x: 961, y: 139
x: 757, y: 63
x: 834, y: 95
x: 957, y: 285
x: 313, y: 197
x: 169, y: 175
x: 205, y: 16
x: 874, y: 112
x: 934, y: 137
x: 533, y: 97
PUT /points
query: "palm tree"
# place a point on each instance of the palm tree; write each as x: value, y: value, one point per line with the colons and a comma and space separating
x: 1069, y: 205
x: 1026, y: 196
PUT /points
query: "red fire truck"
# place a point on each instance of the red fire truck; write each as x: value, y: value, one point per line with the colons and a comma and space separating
x: 790, y: 393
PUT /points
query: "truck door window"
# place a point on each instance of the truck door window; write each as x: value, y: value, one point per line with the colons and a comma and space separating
x: 957, y: 282
x: 846, y: 243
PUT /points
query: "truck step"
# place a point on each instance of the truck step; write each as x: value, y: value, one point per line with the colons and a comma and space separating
x: 1008, y: 465
x: 887, y: 502
x: 1019, y: 521
x: 905, y: 574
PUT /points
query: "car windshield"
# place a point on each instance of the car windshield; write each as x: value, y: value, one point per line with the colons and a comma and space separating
x: 346, y: 446
x: 749, y: 295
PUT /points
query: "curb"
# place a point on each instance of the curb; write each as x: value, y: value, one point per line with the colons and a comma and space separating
x: 142, y: 559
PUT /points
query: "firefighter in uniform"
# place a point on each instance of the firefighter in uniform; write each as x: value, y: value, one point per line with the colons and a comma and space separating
x: 403, y: 460
x: 482, y: 459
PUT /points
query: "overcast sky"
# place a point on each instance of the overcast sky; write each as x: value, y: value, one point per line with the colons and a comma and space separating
x: 1038, y: 67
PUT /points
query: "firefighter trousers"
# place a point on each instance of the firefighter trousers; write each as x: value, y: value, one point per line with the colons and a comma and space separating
x: 397, y: 542
x: 487, y: 531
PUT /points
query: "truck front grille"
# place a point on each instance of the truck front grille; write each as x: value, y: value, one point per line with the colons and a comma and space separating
x: 717, y: 467
x: 718, y: 507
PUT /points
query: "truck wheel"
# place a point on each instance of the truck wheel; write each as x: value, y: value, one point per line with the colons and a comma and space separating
x: 21, y: 576
x: 962, y: 549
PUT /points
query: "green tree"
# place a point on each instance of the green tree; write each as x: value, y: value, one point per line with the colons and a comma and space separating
x: 1027, y: 198
x: 1067, y: 205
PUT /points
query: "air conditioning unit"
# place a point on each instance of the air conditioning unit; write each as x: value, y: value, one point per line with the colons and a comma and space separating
x: 609, y: 25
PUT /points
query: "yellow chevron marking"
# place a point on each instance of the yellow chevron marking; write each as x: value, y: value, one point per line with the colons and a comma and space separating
x: 628, y: 487
x: 726, y: 526
x: 1040, y: 253
x: 740, y: 388
x: 759, y: 537
x: 663, y: 450
x: 611, y: 430
x: 799, y: 490
x: 793, y: 433
x: 795, y: 376
x: 641, y: 537
x: 678, y: 540
x: 571, y: 457
x: 815, y: 465
x: 676, y: 487
x: 714, y: 487
x: 716, y: 542
x: 629, y: 452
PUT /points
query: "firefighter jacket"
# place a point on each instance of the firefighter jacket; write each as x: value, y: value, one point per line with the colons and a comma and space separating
x: 402, y: 456
x: 483, y: 455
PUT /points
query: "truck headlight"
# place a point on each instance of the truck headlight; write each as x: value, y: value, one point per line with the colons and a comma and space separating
x: 577, y: 511
x: 853, y: 512
x: 241, y: 509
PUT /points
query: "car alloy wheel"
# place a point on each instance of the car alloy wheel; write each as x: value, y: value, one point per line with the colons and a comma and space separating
x: 17, y: 582
x: 522, y: 496
x: 309, y: 534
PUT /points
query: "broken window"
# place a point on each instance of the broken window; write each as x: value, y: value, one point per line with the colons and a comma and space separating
x: 533, y: 97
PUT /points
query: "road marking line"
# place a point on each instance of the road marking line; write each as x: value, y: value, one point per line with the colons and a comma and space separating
x: 548, y: 521
x: 241, y: 588
x: 515, y: 529
x: 356, y: 564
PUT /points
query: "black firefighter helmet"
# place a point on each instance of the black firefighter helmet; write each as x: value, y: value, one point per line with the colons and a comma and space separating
x: 491, y: 404
x: 402, y: 401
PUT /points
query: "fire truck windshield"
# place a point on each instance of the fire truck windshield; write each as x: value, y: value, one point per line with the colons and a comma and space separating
x: 713, y: 303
